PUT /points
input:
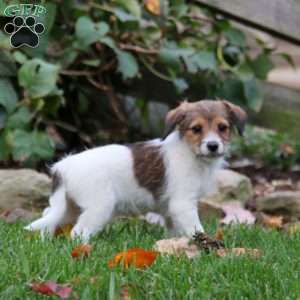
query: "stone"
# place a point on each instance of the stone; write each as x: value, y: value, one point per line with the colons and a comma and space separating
x: 237, y: 214
x: 18, y: 214
x: 24, y: 188
x: 209, y: 210
x: 280, y: 203
x: 231, y: 186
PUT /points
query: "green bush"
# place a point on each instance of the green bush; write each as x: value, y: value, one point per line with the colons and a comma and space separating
x: 94, y: 54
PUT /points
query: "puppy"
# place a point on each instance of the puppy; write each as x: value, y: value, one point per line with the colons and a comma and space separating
x: 167, y: 175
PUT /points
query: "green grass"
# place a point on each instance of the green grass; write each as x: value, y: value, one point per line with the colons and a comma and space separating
x: 275, y: 275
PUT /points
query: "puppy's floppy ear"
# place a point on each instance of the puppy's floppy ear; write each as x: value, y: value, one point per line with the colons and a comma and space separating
x: 173, y: 118
x: 237, y: 115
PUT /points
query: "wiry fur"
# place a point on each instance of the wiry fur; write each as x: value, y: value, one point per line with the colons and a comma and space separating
x: 93, y: 186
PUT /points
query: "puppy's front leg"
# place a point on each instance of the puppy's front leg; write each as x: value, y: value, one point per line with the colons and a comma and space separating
x: 185, y: 218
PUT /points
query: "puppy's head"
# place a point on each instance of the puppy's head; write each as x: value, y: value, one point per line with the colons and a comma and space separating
x: 206, y: 125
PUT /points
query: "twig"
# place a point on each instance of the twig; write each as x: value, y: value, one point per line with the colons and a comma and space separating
x: 155, y: 72
x: 77, y: 73
x: 137, y: 49
x: 98, y: 85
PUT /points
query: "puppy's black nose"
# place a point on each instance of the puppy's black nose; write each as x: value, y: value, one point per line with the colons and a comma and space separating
x: 212, y: 146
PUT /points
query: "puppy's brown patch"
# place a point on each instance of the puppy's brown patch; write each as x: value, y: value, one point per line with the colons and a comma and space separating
x: 56, y: 181
x: 149, y: 168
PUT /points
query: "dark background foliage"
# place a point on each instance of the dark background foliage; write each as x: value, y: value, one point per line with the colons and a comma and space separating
x: 107, y: 71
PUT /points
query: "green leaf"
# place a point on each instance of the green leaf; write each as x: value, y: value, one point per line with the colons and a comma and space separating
x: 31, y: 146
x: 205, y: 60
x: 38, y: 77
x: 127, y: 64
x: 181, y: 85
x: 124, y: 16
x: 131, y: 6
x: 172, y: 55
x: 231, y: 89
x: 8, y: 95
x: 3, y: 115
x: 88, y: 32
x: 235, y: 37
x: 262, y: 65
x: 91, y: 62
x: 19, y: 57
x: 244, y: 72
x: 253, y: 94
x: 4, y: 147
x: 109, y: 42
x: 289, y: 59
x: 7, y: 64
x: 19, y: 119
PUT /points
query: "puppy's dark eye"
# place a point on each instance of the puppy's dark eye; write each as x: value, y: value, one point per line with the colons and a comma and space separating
x: 197, y: 129
x: 222, y: 127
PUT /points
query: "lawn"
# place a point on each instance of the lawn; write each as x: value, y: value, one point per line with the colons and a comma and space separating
x: 275, y: 275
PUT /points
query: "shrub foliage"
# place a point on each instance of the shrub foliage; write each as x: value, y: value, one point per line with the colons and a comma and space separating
x: 73, y: 88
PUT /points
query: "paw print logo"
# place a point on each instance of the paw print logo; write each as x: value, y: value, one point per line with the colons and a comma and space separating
x: 24, y: 31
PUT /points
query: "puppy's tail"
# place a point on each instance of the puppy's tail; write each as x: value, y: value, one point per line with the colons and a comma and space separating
x: 55, y: 212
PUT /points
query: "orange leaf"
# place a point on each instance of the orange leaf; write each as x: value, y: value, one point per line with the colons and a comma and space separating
x: 82, y: 250
x: 275, y: 222
x: 153, y: 7
x: 238, y: 252
x: 64, y: 230
x: 137, y: 257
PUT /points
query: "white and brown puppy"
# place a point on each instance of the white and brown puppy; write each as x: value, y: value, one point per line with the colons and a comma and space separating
x: 167, y: 175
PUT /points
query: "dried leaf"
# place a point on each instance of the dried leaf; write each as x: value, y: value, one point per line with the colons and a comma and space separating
x: 219, y: 234
x: 64, y: 230
x: 177, y: 246
x: 235, y: 213
x: 124, y: 293
x: 82, y: 250
x: 292, y: 228
x: 204, y: 242
x: 274, y: 222
x: 238, y: 252
x: 287, y: 149
x: 51, y: 288
x: 64, y: 292
x: 136, y: 257
x: 153, y: 6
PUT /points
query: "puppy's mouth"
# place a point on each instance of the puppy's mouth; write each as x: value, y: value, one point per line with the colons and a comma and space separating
x: 211, y: 155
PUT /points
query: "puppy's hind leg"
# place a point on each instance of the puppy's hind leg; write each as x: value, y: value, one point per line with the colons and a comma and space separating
x: 54, y: 216
x: 95, y: 216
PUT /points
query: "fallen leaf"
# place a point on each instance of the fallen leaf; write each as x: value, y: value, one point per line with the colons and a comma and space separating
x: 177, y: 246
x: 82, y: 250
x: 238, y: 252
x: 46, y: 288
x: 124, y: 293
x: 64, y: 230
x: 94, y: 280
x: 204, y: 242
x: 51, y: 288
x: 153, y: 6
x: 64, y: 292
x: 292, y: 228
x: 219, y: 234
x: 236, y: 214
x: 274, y: 222
x: 137, y: 257
x: 287, y: 149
